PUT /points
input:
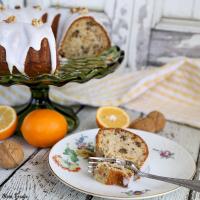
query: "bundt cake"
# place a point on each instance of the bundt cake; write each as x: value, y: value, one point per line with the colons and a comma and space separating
x: 29, y: 37
x: 122, y: 144
x: 27, y: 48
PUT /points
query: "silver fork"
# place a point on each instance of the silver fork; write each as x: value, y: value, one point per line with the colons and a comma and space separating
x: 191, y: 184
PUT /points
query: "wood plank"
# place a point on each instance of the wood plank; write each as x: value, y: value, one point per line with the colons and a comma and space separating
x: 34, y: 181
x: 140, y: 35
x: 178, y: 25
x: 167, y: 45
x: 189, y: 138
x: 121, y: 28
x: 196, y: 14
x: 28, y: 151
x: 178, y: 8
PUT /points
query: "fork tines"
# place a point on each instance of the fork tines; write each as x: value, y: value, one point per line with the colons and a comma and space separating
x: 93, y: 162
x: 101, y: 159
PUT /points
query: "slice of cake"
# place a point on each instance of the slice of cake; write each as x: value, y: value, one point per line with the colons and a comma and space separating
x: 122, y: 144
x: 112, y: 174
x: 84, y: 37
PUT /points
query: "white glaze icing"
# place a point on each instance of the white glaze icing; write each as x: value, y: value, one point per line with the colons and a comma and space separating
x: 18, y: 37
x: 64, y: 15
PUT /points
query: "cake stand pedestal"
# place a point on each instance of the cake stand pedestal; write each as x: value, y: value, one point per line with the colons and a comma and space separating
x: 40, y: 100
x: 72, y: 70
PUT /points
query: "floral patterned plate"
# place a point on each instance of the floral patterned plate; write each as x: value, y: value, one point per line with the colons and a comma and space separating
x: 166, y: 158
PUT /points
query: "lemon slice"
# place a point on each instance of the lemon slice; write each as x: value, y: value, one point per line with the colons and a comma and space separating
x: 8, y: 122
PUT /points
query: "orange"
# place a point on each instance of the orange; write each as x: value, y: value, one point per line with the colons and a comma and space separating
x: 8, y: 122
x: 44, y: 127
x: 112, y: 117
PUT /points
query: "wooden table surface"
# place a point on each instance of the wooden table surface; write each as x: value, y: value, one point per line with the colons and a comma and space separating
x: 33, y: 180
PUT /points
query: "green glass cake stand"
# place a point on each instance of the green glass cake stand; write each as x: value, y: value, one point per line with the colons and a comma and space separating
x: 71, y: 70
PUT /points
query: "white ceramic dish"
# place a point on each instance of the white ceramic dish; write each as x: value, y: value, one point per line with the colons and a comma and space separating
x: 166, y: 158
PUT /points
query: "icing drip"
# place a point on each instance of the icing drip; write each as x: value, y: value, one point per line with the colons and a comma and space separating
x: 17, y: 38
x: 64, y: 15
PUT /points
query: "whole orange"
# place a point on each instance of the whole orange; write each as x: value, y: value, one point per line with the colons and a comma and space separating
x: 44, y: 127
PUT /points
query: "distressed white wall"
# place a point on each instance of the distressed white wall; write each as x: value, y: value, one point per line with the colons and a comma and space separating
x: 175, y: 31
x: 140, y: 33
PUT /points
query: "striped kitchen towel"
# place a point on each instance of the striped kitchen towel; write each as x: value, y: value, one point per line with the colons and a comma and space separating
x: 173, y: 89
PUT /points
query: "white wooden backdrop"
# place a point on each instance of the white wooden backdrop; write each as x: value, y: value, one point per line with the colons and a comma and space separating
x: 163, y: 30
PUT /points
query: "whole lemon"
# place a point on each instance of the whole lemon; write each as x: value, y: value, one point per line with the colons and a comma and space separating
x: 44, y: 127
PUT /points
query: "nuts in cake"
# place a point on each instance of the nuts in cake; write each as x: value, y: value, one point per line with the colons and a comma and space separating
x: 80, y: 10
x: 37, y: 22
x: 10, y: 19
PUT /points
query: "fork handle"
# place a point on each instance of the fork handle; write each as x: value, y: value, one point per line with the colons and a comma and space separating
x: 191, y: 184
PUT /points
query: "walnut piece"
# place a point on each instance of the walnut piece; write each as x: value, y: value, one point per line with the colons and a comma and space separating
x: 11, y: 154
x: 10, y: 19
x: 153, y: 122
x: 37, y: 22
x: 80, y: 10
x: 37, y: 7
x: 159, y: 120
x: 145, y: 124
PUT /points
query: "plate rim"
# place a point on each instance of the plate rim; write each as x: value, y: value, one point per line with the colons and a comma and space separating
x: 115, y: 197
